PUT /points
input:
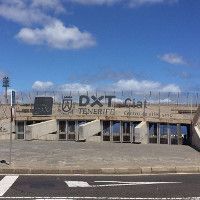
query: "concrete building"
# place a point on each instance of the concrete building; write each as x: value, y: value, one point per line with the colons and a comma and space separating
x: 103, y: 118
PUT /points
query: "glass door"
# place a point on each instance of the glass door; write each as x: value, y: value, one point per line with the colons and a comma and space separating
x: 62, y: 130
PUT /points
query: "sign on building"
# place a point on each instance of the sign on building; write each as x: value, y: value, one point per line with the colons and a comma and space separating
x: 43, y: 106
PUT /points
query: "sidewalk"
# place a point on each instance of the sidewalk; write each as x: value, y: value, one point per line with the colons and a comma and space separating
x: 65, y: 157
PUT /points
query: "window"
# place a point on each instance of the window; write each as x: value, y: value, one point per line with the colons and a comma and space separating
x: 62, y: 126
x: 71, y: 126
x: 20, y: 127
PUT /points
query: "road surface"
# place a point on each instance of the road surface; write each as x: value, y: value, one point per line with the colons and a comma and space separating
x: 100, y: 187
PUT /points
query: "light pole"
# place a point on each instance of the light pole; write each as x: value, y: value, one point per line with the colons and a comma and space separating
x: 12, y: 103
x: 6, y: 84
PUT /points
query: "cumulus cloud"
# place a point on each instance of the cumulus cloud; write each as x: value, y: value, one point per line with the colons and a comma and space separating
x: 48, y: 86
x: 29, y: 12
x: 96, y: 2
x: 55, y: 5
x: 40, y: 85
x: 136, y: 3
x: 144, y: 86
x: 173, y: 58
x: 131, y: 3
x: 58, y: 36
x: 42, y: 27
x: 121, y: 85
x: 75, y: 87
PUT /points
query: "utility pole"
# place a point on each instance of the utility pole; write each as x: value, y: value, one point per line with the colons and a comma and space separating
x: 6, y: 84
x: 12, y: 103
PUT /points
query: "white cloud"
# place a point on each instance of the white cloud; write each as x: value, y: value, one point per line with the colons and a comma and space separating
x: 27, y: 12
x: 58, y: 36
x: 75, y: 87
x: 96, y: 2
x: 173, y: 58
x: 121, y: 85
x: 49, y: 86
x: 131, y: 3
x: 144, y: 86
x: 55, y: 5
x: 40, y: 85
x: 166, y: 100
x: 136, y: 3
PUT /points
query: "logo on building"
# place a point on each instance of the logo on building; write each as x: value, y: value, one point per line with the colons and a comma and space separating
x: 67, y: 103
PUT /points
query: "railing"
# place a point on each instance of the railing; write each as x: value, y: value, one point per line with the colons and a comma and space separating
x: 190, y: 99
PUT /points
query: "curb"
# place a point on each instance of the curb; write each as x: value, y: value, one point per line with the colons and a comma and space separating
x: 120, y: 171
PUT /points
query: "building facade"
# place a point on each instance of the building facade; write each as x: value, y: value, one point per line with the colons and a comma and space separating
x: 104, y: 117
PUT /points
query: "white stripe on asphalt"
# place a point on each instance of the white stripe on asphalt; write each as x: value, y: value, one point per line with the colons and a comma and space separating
x: 6, y: 183
x: 77, y: 184
x: 82, y: 184
x: 102, y: 198
x: 120, y: 183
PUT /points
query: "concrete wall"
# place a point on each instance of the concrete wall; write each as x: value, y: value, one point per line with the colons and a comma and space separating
x: 195, y: 139
x: 88, y: 130
x: 42, y: 131
x: 94, y: 139
x: 141, y: 133
x: 5, y: 129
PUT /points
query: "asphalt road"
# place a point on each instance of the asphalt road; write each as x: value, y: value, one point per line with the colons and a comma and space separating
x: 100, y: 187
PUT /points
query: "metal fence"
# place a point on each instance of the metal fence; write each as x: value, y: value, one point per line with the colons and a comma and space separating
x: 162, y: 98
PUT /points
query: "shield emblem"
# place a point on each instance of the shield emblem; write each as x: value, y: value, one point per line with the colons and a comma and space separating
x: 67, y: 104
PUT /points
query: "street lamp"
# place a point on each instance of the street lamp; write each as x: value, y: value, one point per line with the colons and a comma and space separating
x: 6, y: 84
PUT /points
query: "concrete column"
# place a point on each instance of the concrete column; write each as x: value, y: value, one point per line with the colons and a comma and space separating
x: 179, y: 134
x: 66, y: 130
x: 131, y: 132
x: 101, y: 124
x: 121, y: 132
x: 141, y: 133
x: 25, y: 130
x: 76, y: 130
x: 111, y: 131
x: 158, y: 133
x: 16, y: 125
x: 168, y: 134
x: 57, y: 129
x: 89, y: 130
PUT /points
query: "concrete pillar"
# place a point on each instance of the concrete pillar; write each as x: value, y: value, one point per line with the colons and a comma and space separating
x: 131, y: 132
x: 179, y: 134
x: 141, y: 133
x: 168, y: 134
x: 158, y: 133
x: 195, y: 137
x: 57, y: 135
x: 43, y: 130
x: 76, y: 130
x: 101, y: 124
x: 121, y: 132
x: 66, y: 130
x: 88, y: 131
x: 25, y: 123
x: 111, y: 131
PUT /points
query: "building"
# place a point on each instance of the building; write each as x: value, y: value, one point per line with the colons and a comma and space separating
x: 116, y: 117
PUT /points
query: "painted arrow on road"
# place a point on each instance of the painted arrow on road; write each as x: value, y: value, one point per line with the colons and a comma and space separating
x: 83, y: 184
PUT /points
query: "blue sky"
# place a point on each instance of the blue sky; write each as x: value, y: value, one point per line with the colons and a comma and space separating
x: 138, y: 45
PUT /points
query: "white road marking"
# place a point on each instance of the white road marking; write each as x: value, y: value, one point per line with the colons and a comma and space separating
x: 121, y: 183
x: 102, y: 198
x: 113, y: 183
x: 77, y: 184
x: 6, y: 183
